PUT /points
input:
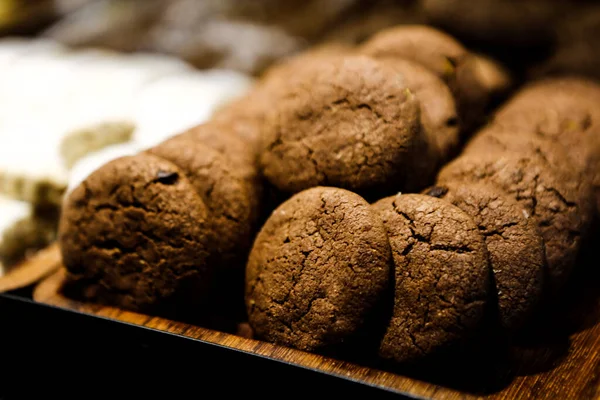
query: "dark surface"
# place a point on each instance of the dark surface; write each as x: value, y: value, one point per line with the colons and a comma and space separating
x: 77, y: 351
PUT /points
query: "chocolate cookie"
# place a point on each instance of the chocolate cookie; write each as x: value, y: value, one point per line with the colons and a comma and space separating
x: 222, y: 138
x: 442, y: 276
x: 135, y: 234
x: 497, y: 139
x: 223, y: 189
x: 347, y: 121
x: 495, y: 78
x: 318, y: 268
x: 514, y: 243
x: 441, y: 54
x: 245, y: 116
x: 563, y: 110
x: 556, y: 204
x: 439, y: 117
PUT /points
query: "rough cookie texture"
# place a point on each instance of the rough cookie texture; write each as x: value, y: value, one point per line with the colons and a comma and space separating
x: 346, y: 121
x: 564, y: 110
x: 134, y: 234
x: 318, y: 268
x: 221, y: 138
x: 442, y: 276
x: 223, y: 189
x: 439, y: 116
x: 441, y: 54
x: 571, y: 164
x: 556, y: 204
x: 514, y: 244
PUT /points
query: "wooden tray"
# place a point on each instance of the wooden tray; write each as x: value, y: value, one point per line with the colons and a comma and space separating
x: 31, y: 271
x: 563, y: 364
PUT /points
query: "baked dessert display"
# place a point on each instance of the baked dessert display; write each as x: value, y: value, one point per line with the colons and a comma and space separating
x: 319, y: 266
x: 514, y: 243
x: 441, y: 276
x: 325, y: 151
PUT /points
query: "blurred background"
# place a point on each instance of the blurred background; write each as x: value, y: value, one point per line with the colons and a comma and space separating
x: 541, y: 36
x: 85, y: 81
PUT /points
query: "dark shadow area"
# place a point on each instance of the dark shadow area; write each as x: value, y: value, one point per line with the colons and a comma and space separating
x: 489, y: 361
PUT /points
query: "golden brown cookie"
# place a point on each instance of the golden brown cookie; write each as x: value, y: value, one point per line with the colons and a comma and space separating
x: 135, y: 234
x: 442, y: 276
x: 514, y: 244
x: 319, y: 267
x: 347, y: 121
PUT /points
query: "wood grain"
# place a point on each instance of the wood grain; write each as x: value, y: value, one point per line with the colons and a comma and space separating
x: 35, y: 268
x: 574, y: 375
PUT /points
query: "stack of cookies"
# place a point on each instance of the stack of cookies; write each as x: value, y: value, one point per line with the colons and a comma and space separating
x: 350, y: 257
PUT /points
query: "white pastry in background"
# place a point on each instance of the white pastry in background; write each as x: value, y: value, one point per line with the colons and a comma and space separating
x: 11, y: 48
x: 21, y: 230
x: 104, y: 84
x: 11, y: 212
x: 58, y: 106
x: 173, y: 104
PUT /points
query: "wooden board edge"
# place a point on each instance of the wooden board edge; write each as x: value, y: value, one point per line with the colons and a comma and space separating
x: 48, y: 292
x: 35, y: 268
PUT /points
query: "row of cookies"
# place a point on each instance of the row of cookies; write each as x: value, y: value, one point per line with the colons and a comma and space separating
x: 498, y: 235
x: 166, y: 230
x: 542, y: 148
x: 407, y: 277
x: 65, y: 112
x: 377, y: 118
x: 334, y: 116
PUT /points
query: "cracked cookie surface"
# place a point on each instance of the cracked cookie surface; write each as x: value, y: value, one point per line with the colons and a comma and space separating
x: 554, y: 202
x: 225, y: 192
x: 442, y: 276
x: 317, y: 270
x: 514, y: 244
x: 346, y: 121
x: 565, y: 111
x: 134, y: 234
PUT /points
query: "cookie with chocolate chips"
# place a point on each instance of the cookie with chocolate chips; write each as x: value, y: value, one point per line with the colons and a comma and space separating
x: 318, y: 268
x: 135, y: 234
x: 347, y: 121
x: 514, y: 244
x: 442, y: 276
